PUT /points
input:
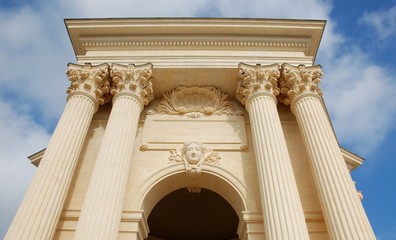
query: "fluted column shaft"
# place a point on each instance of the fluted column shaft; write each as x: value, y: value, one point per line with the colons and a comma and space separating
x: 342, y: 207
x: 343, y: 211
x: 282, y: 209
x: 102, y: 208
x: 39, y: 212
x: 101, y: 212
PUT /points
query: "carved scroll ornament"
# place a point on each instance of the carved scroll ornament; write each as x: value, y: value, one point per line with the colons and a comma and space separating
x: 195, y: 101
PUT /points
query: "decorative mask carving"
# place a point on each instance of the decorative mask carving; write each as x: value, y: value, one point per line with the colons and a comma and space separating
x: 193, y: 154
x: 195, y: 101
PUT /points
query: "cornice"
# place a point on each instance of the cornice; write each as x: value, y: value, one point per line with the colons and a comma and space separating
x: 35, y: 158
x: 130, y: 34
x: 352, y: 160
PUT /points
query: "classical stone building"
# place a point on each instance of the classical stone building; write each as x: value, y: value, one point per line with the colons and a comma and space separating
x: 193, y: 129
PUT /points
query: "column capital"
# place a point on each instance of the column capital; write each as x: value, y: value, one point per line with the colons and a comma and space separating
x: 298, y: 81
x: 91, y: 81
x: 257, y: 80
x: 133, y: 80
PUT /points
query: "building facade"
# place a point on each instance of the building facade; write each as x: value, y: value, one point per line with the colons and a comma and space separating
x: 193, y: 129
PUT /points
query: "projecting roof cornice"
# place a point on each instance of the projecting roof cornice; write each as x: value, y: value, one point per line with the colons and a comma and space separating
x: 116, y: 39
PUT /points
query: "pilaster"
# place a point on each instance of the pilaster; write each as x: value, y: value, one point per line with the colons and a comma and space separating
x: 39, y: 212
x: 282, y: 211
x: 101, y: 212
x: 343, y: 211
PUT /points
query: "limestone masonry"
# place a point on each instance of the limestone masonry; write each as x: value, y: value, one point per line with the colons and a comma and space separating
x: 190, y: 128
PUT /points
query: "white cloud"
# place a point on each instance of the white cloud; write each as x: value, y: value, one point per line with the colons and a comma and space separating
x: 20, y: 137
x: 359, y: 96
x: 383, y: 22
x: 128, y: 8
x: 20, y: 29
x: 33, y: 55
x: 305, y: 9
x: 33, y: 58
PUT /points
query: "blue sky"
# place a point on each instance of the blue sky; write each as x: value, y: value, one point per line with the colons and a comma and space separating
x: 357, y: 52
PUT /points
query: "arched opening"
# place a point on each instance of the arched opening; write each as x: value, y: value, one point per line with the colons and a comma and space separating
x: 174, y: 178
x: 182, y: 215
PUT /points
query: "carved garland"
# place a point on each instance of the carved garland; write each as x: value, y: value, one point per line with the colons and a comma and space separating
x: 195, y: 101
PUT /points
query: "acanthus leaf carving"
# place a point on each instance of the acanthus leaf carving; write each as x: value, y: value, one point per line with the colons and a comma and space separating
x: 92, y: 80
x: 133, y: 79
x: 195, y: 101
x: 256, y: 79
x: 299, y: 80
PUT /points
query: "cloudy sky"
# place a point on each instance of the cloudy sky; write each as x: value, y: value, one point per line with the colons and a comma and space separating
x: 357, y: 53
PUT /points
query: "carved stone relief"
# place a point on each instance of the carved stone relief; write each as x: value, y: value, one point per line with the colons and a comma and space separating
x: 257, y: 79
x: 92, y: 80
x: 296, y: 81
x: 136, y: 80
x: 195, y: 101
x: 193, y: 154
x: 204, y: 113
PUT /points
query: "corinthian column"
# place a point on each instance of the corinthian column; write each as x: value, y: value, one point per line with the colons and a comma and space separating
x: 39, y: 212
x: 282, y: 210
x: 101, y: 212
x: 343, y: 211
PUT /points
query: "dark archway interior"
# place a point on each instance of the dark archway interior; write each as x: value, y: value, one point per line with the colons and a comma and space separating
x: 181, y: 215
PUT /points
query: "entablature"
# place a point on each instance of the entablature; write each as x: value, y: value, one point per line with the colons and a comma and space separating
x: 195, y: 42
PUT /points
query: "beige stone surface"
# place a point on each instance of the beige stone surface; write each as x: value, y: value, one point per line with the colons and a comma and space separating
x: 131, y: 153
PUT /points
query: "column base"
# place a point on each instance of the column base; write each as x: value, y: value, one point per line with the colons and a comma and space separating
x: 133, y: 225
x: 251, y: 226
